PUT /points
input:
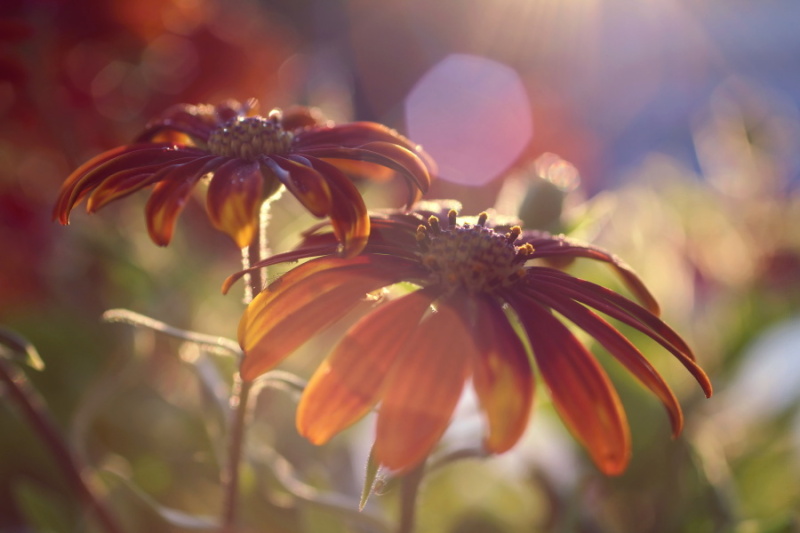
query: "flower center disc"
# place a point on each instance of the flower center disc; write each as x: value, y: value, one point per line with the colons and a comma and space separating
x: 249, y: 138
x: 472, y: 256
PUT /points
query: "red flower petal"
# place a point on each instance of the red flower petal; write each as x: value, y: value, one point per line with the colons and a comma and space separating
x: 502, y: 376
x: 352, y: 135
x: 389, y: 155
x: 125, y: 182
x: 422, y: 389
x: 72, y: 190
x: 139, y: 155
x: 306, y: 184
x: 562, y: 247
x: 285, y: 257
x: 581, y: 392
x: 301, y: 117
x: 387, y: 237
x: 408, y: 163
x: 620, y: 308
x: 122, y: 184
x: 234, y: 198
x: 95, y: 171
x: 196, y: 121
x: 169, y: 198
x: 304, y: 301
x: 192, y: 120
x: 348, y: 383
x: 348, y: 215
x: 357, y: 134
x: 618, y: 346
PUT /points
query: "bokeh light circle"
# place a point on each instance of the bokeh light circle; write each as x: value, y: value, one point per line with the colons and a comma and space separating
x: 473, y: 115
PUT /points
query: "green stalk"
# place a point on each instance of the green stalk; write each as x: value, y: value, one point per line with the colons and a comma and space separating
x: 239, y: 397
x: 254, y: 283
x: 409, y: 489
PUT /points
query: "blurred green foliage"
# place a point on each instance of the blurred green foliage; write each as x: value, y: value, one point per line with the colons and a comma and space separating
x: 718, y: 245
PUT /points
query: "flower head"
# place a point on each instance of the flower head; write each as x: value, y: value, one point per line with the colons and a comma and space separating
x: 248, y: 157
x: 479, y: 309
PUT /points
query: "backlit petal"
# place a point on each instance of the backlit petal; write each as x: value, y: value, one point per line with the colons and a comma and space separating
x: 234, y: 198
x: 92, y: 173
x: 387, y: 237
x: 407, y: 162
x: 581, y: 392
x: 285, y: 257
x: 306, y: 300
x: 140, y: 156
x: 125, y: 182
x: 352, y: 135
x: 502, y: 376
x: 196, y: 121
x: 306, y: 184
x: 422, y: 389
x: 348, y: 215
x: 347, y: 384
x: 122, y: 184
x: 191, y: 120
x: 389, y: 155
x: 620, y: 347
x: 168, y: 199
x: 555, y: 247
x: 627, y: 312
x: 357, y: 134
x: 73, y: 190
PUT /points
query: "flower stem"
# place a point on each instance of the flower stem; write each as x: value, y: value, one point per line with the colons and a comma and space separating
x: 409, y: 488
x: 241, y: 389
x: 210, y: 343
x: 254, y: 252
x: 250, y: 288
x: 33, y: 408
x: 263, y: 238
x: 239, y: 397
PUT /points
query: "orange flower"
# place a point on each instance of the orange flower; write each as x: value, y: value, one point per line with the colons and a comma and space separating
x: 249, y: 157
x: 478, y: 312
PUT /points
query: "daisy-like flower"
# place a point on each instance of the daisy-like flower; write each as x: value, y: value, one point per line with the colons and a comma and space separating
x: 481, y: 307
x: 248, y: 157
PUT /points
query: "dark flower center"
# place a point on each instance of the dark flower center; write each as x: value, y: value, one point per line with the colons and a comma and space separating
x: 473, y: 257
x: 251, y: 137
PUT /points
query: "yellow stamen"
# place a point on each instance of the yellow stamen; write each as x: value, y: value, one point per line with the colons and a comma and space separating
x: 472, y: 257
x: 249, y: 138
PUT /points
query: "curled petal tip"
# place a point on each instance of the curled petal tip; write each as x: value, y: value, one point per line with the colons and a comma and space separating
x: 700, y: 376
x: 228, y: 283
x: 613, y: 466
x: 708, y: 388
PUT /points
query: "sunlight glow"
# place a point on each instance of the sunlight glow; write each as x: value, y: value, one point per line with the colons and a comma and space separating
x: 472, y: 115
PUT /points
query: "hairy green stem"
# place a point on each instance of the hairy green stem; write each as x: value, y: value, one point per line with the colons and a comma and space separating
x: 254, y: 252
x: 263, y: 239
x: 240, y: 393
x: 409, y: 489
x: 212, y: 343
x: 250, y: 288
x: 239, y: 397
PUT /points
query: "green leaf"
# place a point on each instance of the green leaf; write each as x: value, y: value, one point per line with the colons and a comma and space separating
x: 371, y: 479
x: 17, y: 348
